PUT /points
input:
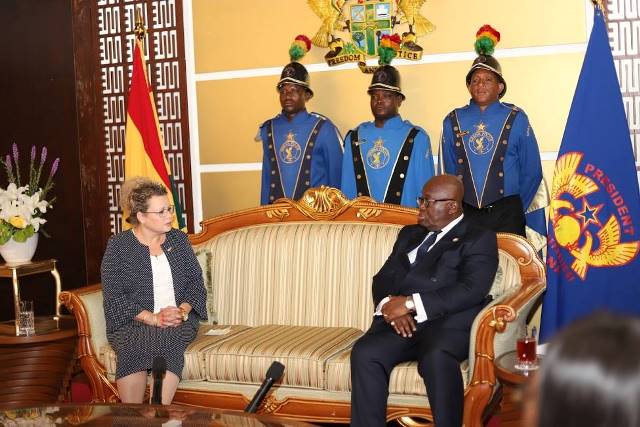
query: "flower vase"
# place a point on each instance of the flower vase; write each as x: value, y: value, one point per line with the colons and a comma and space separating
x: 19, y: 252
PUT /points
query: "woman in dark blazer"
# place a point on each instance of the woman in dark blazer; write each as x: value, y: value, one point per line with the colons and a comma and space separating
x: 154, y: 295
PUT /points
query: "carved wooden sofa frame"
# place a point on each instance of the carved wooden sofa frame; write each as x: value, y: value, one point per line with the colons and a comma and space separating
x: 501, y: 320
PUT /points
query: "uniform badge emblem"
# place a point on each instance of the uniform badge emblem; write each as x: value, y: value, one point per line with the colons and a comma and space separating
x: 378, y: 156
x: 585, y: 240
x: 288, y: 71
x: 481, y: 142
x: 290, y: 150
x: 364, y: 22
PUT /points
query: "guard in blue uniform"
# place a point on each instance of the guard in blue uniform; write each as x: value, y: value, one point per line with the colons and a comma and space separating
x: 388, y: 159
x: 491, y: 146
x: 301, y: 149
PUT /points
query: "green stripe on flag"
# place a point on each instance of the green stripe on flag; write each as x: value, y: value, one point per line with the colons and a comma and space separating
x: 176, y: 202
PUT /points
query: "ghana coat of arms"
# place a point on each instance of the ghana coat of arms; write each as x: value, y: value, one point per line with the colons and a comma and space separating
x: 356, y: 29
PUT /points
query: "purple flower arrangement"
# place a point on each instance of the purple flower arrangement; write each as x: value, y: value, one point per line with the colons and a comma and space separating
x: 12, y: 168
x: 22, y: 204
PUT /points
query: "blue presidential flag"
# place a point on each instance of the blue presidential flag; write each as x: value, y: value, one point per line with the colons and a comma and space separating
x: 594, y: 215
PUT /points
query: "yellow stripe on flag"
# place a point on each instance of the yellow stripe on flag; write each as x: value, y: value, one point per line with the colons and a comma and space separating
x: 144, y: 155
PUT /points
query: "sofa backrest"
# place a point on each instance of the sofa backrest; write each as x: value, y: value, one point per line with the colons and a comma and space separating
x: 297, y: 273
x: 292, y: 264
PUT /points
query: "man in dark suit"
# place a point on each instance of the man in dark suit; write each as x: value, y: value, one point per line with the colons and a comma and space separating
x: 426, y: 295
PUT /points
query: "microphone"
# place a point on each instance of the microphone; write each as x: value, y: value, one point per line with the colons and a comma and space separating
x: 158, y: 370
x: 274, y: 373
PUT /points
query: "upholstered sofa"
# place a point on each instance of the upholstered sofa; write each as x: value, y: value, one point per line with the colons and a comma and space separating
x: 292, y: 282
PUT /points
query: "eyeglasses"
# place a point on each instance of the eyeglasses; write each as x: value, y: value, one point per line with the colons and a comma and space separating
x: 164, y: 211
x: 427, y: 202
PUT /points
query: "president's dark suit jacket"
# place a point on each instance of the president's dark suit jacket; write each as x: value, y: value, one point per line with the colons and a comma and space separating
x: 453, y: 280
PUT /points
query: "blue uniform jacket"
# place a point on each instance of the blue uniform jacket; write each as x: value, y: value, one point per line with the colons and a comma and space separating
x: 290, y: 139
x: 379, y: 164
x: 481, y: 130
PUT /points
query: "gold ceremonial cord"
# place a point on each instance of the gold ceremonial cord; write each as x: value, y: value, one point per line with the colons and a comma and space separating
x: 605, y: 12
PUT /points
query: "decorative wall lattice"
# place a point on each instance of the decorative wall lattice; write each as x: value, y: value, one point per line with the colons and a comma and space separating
x: 164, y: 50
x: 624, y: 37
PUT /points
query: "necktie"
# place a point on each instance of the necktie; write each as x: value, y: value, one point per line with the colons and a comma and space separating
x: 424, y: 247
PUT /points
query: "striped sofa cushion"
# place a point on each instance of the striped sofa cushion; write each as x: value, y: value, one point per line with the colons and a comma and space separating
x: 303, y: 350
x: 194, y: 367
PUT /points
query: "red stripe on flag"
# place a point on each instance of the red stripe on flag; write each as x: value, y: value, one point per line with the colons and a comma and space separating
x: 142, y: 114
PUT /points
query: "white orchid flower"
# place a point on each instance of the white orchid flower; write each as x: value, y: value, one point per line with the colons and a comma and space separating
x: 15, y: 203
x: 37, y: 222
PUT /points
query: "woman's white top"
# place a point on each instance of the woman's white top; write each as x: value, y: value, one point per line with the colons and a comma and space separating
x: 163, y: 294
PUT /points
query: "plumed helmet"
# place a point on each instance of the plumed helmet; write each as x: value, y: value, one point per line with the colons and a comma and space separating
x: 486, y: 39
x: 386, y: 77
x: 295, y: 73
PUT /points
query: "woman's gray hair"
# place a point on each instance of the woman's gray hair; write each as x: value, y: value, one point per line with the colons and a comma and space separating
x: 135, y: 194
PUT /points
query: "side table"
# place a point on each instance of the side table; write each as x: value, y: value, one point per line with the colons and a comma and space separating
x: 15, y: 271
x: 37, y: 369
x: 513, y: 382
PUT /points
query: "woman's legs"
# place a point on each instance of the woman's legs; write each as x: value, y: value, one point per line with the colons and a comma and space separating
x: 169, y: 386
x: 131, y: 388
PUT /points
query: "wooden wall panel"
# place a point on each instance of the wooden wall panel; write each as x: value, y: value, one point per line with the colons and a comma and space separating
x: 49, y: 88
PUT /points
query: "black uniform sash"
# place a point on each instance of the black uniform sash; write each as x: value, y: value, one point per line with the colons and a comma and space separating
x: 276, y: 189
x: 394, y: 189
x: 493, y: 188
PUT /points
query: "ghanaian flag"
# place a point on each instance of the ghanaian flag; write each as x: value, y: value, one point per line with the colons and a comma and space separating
x: 143, y: 141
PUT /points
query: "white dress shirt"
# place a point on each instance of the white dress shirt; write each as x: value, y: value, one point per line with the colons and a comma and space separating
x: 163, y: 293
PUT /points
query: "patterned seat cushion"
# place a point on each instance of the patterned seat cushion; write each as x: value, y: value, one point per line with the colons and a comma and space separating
x: 194, y: 368
x: 303, y: 350
x: 404, y: 377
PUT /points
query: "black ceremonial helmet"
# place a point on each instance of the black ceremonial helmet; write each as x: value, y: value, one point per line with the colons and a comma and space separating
x: 386, y: 77
x: 295, y: 73
x: 490, y: 63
